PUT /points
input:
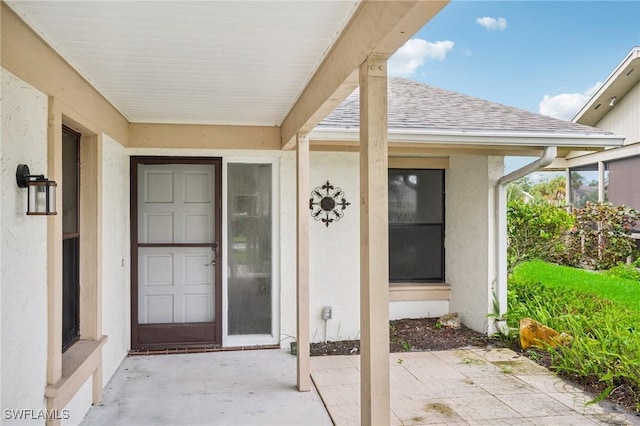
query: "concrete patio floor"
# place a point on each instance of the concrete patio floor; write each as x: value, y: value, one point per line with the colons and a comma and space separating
x: 472, y: 386
x: 460, y: 387
x: 215, y: 388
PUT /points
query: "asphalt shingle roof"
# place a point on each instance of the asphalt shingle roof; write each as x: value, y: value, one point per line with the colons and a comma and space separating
x: 414, y: 105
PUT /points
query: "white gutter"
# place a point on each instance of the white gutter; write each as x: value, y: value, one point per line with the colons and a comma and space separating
x: 500, y: 284
x: 474, y: 137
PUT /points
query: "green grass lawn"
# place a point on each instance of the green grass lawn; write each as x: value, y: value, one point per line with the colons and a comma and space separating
x: 624, y: 291
x: 602, y: 314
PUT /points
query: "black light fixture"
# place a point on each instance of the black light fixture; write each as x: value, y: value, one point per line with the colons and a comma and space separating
x: 41, y: 192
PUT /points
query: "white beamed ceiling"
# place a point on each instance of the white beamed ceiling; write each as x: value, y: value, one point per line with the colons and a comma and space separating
x: 202, y: 62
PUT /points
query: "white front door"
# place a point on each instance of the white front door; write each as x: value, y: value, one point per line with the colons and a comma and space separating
x: 177, y: 253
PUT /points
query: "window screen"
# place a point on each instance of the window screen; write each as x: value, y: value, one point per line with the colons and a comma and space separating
x: 416, y: 225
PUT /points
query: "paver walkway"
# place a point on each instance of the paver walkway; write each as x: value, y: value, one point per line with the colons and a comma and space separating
x: 464, y: 387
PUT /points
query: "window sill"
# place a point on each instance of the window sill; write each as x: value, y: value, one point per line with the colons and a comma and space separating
x: 78, y: 364
x: 413, y: 291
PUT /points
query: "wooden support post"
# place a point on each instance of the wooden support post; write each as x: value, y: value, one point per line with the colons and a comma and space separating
x: 374, y: 244
x: 302, y: 286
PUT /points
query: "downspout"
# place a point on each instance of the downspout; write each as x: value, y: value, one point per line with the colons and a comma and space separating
x: 499, y: 287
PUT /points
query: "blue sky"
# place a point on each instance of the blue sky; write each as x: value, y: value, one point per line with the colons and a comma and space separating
x: 518, y: 52
x: 547, y: 57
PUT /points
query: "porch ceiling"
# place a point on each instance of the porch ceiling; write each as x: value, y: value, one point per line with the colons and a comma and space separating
x: 207, y: 62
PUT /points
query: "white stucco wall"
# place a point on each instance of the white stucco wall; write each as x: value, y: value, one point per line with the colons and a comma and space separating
x: 116, y: 272
x: 470, y: 240
x: 335, y: 258
x: 418, y: 309
x: 23, y: 274
x: 24, y: 264
x: 77, y: 408
x: 335, y: 251
x: 287, y: 248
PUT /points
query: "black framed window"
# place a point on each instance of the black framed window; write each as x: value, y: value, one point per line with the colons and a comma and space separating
x: 416, y: 225
x: 70, y: 237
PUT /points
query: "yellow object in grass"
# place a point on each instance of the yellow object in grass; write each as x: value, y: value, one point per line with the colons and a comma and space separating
x: 534, y: 333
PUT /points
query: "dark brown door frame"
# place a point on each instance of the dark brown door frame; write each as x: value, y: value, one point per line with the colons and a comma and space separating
x: 187, y: 335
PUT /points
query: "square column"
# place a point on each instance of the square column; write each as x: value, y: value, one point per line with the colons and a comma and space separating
x: 302, y: 258
x: 374, y: 244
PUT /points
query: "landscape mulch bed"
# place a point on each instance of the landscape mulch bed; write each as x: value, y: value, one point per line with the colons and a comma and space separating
x: 411, y: 334
x: 425, y: 334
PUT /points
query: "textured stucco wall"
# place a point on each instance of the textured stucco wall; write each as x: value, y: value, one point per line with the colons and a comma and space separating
x: 287, y: 248
x: 79, y: 405
x: 418, y: 309
x: 23, y: 275
x: 470, y: 240
x: 116, y: 271
x: 335, y: 259
x: 24, y: 264
x: 335, y: 251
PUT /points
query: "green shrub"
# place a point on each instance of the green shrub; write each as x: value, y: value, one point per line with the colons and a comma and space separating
x: 601, y: 236
x: 536, y: 231
x: 622, y: 270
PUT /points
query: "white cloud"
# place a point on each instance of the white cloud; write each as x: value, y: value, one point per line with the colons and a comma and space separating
x: 492, y: 23
x: 565, y: 105
x: 414, y: 52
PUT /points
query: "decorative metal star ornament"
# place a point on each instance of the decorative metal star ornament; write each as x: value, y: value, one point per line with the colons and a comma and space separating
x: 327, y: 204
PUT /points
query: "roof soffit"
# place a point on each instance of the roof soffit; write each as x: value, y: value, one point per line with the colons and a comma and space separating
x: 624, y: 78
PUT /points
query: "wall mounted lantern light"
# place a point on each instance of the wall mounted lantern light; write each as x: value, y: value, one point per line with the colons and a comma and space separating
x: 41, y: 192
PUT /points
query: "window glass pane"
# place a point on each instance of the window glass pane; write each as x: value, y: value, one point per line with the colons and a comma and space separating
x: 249, y: 233
x: 70, y: 292
x: 416, y: 196
x: 69, y: 182
x: 415, y: 252
x: 584, y: 185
